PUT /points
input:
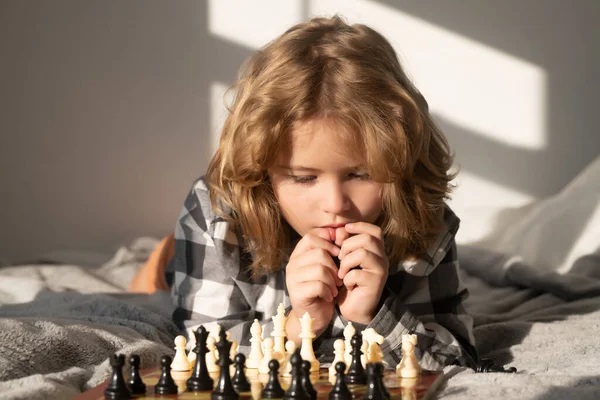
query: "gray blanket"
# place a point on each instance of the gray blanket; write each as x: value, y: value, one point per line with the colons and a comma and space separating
x: 60, y: 323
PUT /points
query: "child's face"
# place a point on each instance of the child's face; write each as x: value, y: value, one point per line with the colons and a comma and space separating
x: 319, y: 184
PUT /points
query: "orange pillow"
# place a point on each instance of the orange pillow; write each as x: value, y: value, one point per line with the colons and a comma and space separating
x: 151, y: 276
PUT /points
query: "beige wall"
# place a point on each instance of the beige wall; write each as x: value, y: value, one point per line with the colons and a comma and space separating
x: 106, y: 107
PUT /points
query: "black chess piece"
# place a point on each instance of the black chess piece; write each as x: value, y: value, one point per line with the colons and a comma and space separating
x: 356, y: 372
x: 375, y: 388
x: 340, y: 390
x: 117, y: 388
x: 166, y: 384
x: 240, y: 382
x: 273, y: 389
x: 306, y: 383
x: 200, y: 379
x: 135, y: 380
x: 296, y: 390
x: 224, y: 389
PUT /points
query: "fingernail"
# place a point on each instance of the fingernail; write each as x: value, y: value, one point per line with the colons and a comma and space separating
x: 350, y: 225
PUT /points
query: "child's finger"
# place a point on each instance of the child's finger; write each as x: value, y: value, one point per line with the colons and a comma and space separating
x: 364, y: 227
x: 314, y: 289
x: 316, y: 239
x: 317, y: 257
x: 362, y: 241
x: 341, y: 234
x: 363, y: 259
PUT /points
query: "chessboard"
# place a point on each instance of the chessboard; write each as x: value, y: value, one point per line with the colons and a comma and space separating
x: 422, y: 387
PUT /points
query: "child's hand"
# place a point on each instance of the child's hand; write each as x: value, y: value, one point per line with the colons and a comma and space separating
x: 311, y: 278
x: 363, y: 286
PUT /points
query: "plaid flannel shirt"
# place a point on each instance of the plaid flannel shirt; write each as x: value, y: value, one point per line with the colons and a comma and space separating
x: 211, y: 284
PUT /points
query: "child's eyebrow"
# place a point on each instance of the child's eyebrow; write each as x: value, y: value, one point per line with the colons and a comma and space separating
x: 309, y: 169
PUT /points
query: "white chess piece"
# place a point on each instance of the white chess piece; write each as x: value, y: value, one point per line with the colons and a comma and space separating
x: 290, y: 348
x: 256, y: 355
x: 409, y: 366
x: 307, y: 335
x: 363, y: 357
x: 268, y: 344
x: 338, y: 351
x: 349, y: 331
x: 278, y: 334
x: 211, y: 358
x: 374, y: 353
x: 180, y: 360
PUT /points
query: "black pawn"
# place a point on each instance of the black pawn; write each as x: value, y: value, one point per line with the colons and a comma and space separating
x: 375, y: 388
x: 117, y: 389
x: 200, y: 379
x: 240, y: 382
x: 273, y: 389
x: 135, y: 380
x: 166, y: 384
x: 356, y: 372
x: 306, y: 383
x: 295, y: 390
x: 224, y: 389
x: 340, y: 390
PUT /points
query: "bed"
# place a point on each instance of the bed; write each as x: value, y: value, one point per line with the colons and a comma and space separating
x: 535, y: 297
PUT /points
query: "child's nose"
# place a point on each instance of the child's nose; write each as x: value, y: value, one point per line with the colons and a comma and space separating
x: 334, y: 199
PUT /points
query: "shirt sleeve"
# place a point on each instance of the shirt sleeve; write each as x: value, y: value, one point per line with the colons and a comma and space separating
x: 428, y: 302
x: 208, y: 275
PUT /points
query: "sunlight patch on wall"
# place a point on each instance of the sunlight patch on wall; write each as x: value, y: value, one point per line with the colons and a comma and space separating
x: 475, y: 86
x: 218, y: 112
x: 247, y: 23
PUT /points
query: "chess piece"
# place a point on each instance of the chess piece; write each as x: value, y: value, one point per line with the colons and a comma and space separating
x: 200, y: 379
x: 306, y: 383
x: 349, y: 331
x: 356, y: 372
x: 408, y: 387
x: 273, y: 389
x: 180, y: 361
x: 338, y: 351
x: 211, y: 355
x: 364, y: 348
x: 375, y: 388
x: 256, y: 355
x: 278, y: 334
x: 166, y: 384
x: 268, y: 356
x: 340, y: 390
x: 117, y: 389
x: 290, y: 348
x: 307, y: 335
x: 296, y: 390
x: 136, y: 386
x: 239, y: 380
x: 224, y: 389
x: 409, y: 366
x: 374, y: 339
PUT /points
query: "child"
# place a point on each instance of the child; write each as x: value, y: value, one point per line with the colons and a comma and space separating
x: 328, y: 155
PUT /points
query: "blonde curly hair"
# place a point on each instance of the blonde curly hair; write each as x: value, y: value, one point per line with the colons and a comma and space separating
x: 326, y: 68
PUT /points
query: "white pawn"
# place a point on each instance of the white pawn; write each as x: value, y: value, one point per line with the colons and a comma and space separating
x: 256, y: 355
x: 290, y: 348
x: 211, y: 358
x: 338, y: 351
x: 180, y: 361
x: 268, y: 356
x: 349, y: 331
x: 307, y: 335
x: 409, y: 366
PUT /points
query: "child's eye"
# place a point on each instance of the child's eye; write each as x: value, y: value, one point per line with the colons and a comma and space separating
x: 363, y: 176
x: 303, y: 178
